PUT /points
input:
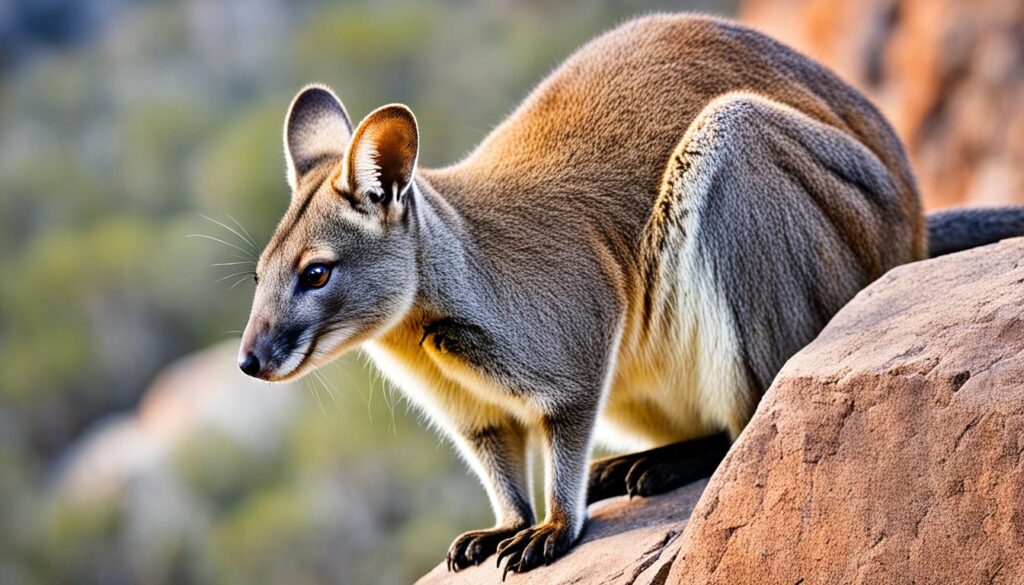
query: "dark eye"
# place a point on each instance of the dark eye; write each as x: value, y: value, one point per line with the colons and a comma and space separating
x: 315, y: 276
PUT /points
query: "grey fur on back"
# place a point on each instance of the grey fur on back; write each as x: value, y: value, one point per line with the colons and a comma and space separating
x: 789, y: 218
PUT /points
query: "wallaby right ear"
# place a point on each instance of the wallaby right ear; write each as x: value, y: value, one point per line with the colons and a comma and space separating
x: 316, y: 127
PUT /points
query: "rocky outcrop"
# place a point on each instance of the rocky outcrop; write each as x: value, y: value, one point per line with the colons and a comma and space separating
x: 949, y: 75
x: 891, y: 449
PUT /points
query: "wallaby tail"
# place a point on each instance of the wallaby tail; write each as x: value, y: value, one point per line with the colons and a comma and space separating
x: 955, y: 230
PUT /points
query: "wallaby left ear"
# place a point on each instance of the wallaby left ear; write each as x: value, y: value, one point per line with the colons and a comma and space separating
x: 381, y: 158
x: 316, y: 127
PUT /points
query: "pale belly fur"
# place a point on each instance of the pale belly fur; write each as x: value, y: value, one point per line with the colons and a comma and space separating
x: 682, y: 378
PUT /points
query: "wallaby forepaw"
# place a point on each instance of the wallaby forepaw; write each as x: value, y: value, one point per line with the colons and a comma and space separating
x: 473, y: 547
x: 535, y: 546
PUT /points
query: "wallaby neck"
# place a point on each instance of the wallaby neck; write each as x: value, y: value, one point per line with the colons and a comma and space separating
x: 450, y: 270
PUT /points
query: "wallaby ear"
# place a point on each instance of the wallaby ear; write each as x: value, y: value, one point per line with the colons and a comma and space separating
x: 381, y: 157
x: 316, y: 127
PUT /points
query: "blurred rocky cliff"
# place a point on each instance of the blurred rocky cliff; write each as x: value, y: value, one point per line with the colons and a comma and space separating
x: 948, y: 74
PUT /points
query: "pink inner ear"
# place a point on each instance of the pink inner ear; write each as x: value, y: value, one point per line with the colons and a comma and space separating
x: 384, y: 151
x: 396, y: 153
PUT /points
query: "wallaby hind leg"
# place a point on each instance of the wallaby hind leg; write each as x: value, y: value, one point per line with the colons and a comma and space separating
x: 657, y: 470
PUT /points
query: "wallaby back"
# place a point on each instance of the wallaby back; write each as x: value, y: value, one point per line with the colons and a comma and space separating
x: 593, y: 139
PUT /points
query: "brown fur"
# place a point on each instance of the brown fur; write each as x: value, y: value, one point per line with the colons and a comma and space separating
x: 592, y: 141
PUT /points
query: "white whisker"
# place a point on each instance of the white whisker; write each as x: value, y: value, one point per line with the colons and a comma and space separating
x: 329, y: 387
x: 245, y: 231
x: 232, y: 230
x: 312, y: 390
x: 240, y: 249
x: 233, y: 263
x: 391, y: 406
x: 352, y: 384
x: 240, y: 281
x: 369, y: 403
x: 316, y: 394
x: 245, y: 272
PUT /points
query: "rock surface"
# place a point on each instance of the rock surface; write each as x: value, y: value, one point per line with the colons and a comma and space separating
x: 626, y: 543
x: 891, y: 449
x: 948, y: 74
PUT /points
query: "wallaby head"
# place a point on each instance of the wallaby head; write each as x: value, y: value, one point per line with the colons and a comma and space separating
x: 341, y: 265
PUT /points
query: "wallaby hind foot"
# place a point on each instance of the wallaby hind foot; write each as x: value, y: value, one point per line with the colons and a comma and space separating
x: 657, y: 470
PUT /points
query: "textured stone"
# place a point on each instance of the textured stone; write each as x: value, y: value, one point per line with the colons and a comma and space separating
x: 891, y: 449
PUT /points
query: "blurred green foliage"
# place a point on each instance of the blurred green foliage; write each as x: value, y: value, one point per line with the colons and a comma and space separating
x: 109, y: 150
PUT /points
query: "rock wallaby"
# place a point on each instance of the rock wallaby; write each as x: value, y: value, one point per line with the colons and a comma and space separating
x: 629, y: 258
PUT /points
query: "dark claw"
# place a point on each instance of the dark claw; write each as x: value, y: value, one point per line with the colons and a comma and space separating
x: 505, y: 547
x: 473, y: 547
x: 505, y: 572
x: 537, y: 545
x: 529, y: 556
x: 638, y: 469
x: 514, y: 554
x: 647, y: 479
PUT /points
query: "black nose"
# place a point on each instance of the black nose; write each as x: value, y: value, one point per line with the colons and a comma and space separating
x: 250, y: 364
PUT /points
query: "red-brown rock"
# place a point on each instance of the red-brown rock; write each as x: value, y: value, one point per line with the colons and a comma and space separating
x: 891, y: 449
x: 949, y: 74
